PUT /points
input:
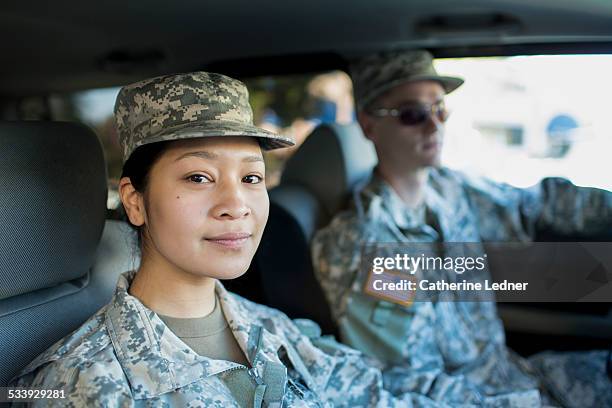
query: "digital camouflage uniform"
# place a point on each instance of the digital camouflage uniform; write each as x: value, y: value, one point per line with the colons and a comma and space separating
x: 455, y: 351
x: 125, y: 356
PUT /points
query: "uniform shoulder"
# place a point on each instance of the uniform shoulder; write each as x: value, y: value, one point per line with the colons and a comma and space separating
x: 344, y: 223
x: 445, y: 179
x: 97, y: 380
x: 445, y: 174
x: 86, y: 344
x: 254, y: 310
x: 272, y: 319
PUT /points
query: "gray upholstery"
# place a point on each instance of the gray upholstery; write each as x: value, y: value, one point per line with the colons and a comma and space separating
x: 59, y: 260
x: 302, y: 204
x: 52, y: 203
x: 327, y: 167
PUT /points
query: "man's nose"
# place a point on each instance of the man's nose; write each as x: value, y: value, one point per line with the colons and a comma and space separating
x: 433, y: 124
x: 231, y: 203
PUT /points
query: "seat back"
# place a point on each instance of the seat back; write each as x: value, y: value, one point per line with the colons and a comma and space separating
x: 320, y: 177
x: 59, y: 262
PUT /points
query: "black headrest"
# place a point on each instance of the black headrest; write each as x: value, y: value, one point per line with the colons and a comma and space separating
x: 52, y: 204
x: 332, y: 160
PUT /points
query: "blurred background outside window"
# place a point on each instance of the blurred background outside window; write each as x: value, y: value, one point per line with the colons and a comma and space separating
x: 516, y: 119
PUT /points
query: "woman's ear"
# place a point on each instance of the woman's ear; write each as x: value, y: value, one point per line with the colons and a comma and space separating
x: 133, y: 202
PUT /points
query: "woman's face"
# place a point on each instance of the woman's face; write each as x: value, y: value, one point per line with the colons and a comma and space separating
x: 206, y: 206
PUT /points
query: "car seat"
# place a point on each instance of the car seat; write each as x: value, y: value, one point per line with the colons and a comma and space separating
x: 59, y: 259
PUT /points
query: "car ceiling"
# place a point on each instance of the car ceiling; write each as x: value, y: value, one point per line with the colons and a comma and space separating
x: 70, y: 45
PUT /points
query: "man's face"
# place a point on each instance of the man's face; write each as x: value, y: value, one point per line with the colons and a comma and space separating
x: 400, y: 145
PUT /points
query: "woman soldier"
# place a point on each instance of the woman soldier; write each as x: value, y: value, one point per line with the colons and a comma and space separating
x: 193, y: 186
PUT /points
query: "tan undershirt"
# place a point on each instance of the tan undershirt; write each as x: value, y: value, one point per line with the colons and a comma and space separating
x: 209, y: 336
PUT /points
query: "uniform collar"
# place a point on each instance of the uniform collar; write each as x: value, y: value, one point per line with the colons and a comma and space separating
x: 156, y: 361
x: 379, y: 193
x: 442, y: 203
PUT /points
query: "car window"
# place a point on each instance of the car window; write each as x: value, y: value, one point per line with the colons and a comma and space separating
x: 516, y: 119
x: 519, y: 119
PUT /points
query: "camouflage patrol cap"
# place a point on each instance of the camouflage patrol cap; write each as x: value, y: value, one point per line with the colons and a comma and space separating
x: 186, y: 106
x: 375, y: 74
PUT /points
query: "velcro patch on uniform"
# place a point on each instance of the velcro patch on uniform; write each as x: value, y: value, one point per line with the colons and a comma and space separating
x: 392, y: 286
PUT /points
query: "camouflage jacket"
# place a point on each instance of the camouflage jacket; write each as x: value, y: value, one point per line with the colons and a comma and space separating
x: 454, y: 351
x: 126, y: 356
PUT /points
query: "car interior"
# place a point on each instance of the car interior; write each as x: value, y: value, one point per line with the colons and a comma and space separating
x: 62, y: 249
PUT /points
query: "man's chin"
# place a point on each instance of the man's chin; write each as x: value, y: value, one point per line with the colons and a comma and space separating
x: 433, y: 162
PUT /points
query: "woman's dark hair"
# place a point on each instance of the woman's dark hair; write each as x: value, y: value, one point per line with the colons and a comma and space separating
x: 139, y: 164
x: 138, y: 167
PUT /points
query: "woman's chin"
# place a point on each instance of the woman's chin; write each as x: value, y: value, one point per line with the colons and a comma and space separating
x: 227, y: 270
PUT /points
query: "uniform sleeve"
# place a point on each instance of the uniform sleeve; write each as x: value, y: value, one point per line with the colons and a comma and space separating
x: 505, y: 212
x: 341, y: 375
x: 85, y: 383
x: 348, y: 378
x: 336, y: 257
x: 355, y: 381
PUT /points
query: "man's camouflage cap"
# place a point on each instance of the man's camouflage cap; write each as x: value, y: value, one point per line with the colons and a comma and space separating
x: 375, y: 74
x: 187, y: 106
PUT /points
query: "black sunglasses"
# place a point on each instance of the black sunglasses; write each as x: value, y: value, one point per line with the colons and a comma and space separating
x: 416, y: 114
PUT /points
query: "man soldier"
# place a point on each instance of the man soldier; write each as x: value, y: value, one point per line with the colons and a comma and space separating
x: 450, y: 351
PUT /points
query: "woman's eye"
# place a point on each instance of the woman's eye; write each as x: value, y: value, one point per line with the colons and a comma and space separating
x: 252, y: 179
x: 198, y: 179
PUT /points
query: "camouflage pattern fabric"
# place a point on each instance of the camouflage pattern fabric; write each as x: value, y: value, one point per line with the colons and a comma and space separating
x: 375, y: 74
x: 125, y: 356
x: 455, y: 352
x: 184, y: 106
